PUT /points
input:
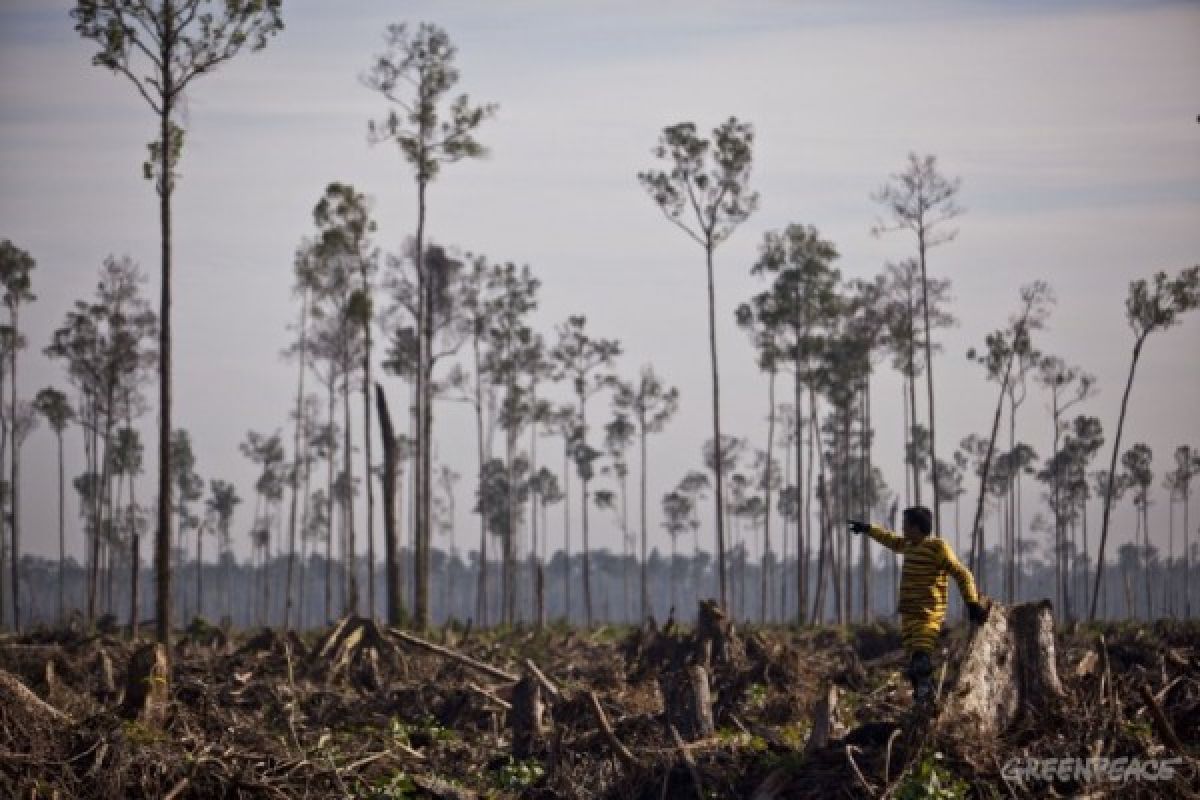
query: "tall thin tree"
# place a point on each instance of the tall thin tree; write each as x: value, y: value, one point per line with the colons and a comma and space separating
x: 15, y: 268
x: 162, y: 48
x: 415, y: 75
x: 586, y: 363
x: 52, y: 404
x: 1151, y: 306
x: 922, y: 200
x: 651, y: 404
x: 703, y: 189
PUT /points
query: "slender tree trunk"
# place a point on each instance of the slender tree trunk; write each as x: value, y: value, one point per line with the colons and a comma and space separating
x: 644, y: 589
x: 14, y: 486
x: 766, y: 577
x: 1168, y: 589
x: 674, y: 548
x: 1187, y: 542
x: 535, y: 557
x: 1081, y: 591
x: 801, y: 504
x: 422, y: 539
x: 587, y: 567
x: 818, y: 610
x: 809, y: 477
x: 1112, y: 471
x: 200, y: 571
x: 135, y: 559
x: 4, y: 510
x: 912, y: 402
x: 348, y: 512
x: 625, y: 549
x: 101, y: 495
x: 866, y: 498
x: 783, y: 582
x: 977, y: 552
x: 847, y: 556
x: 937, y: 502
x: 162, y: 540
x: 299, y: 436
x: 509, y: 584
x: 1146, y: 556
x: 1060, y: 580
x: 718, y: 467
x: 1011, y: 567
x: 368, y: 479
x: 302, y: 615
x: 395, y: 602
x: 567, y: 527
x: 481, y: 590
x: 62, y: 537
x: 329, y: 503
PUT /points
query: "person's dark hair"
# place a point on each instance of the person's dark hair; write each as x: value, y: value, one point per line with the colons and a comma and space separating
x: 921, y: 518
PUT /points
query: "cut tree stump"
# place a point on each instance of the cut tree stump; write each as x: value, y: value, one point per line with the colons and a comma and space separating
x: 526, y: 717
x: 687, y: 702
x: 1009, y: 668
x: 824, y: 720
x: 106, y: 684
x: 147, y: 686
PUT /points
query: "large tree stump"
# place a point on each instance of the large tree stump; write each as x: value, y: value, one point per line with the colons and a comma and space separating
x: 526, y: 717
x: 687, y: 702
x: 147, y: 686
x: 1009, y: 668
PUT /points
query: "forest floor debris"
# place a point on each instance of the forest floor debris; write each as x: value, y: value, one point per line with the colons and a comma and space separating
x: 361, y: 710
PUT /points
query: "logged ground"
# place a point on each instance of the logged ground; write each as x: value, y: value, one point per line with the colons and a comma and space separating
x: 363, y: 711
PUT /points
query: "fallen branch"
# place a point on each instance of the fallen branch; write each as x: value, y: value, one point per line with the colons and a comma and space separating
x: 1161, y: 724
x: 850, y: 751
x: 547, y: 687
x: 13, y: 687
x: 446, y: 652
x: 617, y: 746
x: 491, y: 697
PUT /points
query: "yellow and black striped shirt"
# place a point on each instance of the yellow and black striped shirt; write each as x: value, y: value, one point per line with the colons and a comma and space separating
x: 924, y: 587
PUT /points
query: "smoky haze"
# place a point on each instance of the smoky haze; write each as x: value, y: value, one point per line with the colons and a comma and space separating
x: 1073, y: 129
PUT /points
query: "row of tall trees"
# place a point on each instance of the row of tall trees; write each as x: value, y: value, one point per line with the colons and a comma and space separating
x: 433, y: 303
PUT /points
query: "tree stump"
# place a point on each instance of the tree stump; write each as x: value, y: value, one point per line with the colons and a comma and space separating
x: 147, y: 686
x: 526, y: 717
x: 824, y: 720
x: 106, y: 684
x: 1009, y: 667
x: 687, y: 702
x: 714, y: 640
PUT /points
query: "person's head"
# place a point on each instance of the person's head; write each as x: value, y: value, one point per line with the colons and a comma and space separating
x: 917, y: 522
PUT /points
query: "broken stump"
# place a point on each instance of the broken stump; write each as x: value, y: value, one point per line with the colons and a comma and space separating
x: 526, y: 717
x: 147, y: 686
x: 687, y: 702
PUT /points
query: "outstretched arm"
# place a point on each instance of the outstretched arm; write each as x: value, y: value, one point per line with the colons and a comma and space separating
x: 892, y: 541
x: 962, y: 575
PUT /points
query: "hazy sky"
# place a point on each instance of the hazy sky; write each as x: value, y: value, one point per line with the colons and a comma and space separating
x: 1072, y: 125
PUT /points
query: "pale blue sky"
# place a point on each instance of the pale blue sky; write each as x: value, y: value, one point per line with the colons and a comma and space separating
x: 1072, y: 125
